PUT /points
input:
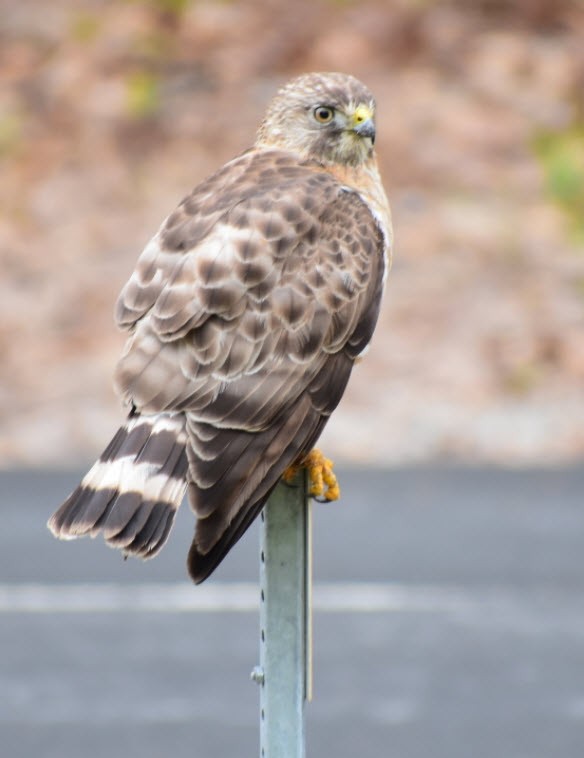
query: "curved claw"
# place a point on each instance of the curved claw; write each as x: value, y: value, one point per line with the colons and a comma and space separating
x: 322, y: 482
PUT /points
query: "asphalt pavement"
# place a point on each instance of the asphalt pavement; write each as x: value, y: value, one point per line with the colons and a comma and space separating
x: 449, y: 622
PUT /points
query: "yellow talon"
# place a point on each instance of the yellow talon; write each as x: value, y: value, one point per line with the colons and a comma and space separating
x: 322, y: 481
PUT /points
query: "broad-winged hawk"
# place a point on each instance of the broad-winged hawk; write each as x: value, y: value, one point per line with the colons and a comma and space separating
x: 246, y: 313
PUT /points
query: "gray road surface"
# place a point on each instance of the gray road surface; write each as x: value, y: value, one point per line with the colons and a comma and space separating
x: 469, y: 644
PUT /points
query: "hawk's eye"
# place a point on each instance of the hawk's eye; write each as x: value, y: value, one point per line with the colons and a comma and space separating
x: 323, y: 114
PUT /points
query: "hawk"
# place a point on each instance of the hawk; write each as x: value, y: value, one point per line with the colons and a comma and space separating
x: 246, y: 313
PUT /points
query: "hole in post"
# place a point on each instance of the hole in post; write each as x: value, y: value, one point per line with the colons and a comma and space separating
x: 262, y: 596
x: 262, y: 557
x: 263, y: 717
x: 263, y: 636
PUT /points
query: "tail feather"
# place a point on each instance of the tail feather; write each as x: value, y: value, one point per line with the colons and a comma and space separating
x: 133, y: 491
x: 154, y: 532
x: 124, y: 535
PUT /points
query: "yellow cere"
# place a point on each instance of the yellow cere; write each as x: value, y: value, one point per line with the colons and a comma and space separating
x: 362, y: 113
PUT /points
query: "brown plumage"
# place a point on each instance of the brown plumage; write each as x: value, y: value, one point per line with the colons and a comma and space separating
x: 246, y: 313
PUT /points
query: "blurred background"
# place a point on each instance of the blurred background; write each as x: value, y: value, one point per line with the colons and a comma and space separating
x: 470, y: 402
x: 111, y: 111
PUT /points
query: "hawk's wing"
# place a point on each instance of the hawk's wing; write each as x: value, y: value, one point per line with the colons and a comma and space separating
x: 247, y: 310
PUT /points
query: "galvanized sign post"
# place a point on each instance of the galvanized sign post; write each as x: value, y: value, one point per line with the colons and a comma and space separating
x: 285, y: 670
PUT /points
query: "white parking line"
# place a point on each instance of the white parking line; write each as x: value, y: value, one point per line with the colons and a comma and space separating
x: 535, y: 611
x: 357, y: 597
x: 226, y: 597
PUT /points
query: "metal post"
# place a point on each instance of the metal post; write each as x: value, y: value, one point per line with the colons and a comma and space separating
x: 285, y: 670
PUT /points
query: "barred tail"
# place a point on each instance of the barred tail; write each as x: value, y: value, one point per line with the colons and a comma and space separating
x: 133, y: 491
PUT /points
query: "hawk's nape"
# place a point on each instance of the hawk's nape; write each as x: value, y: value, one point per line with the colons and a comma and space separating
x: 246, y: 313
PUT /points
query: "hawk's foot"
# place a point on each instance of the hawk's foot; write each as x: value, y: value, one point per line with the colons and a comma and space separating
x: 322, y: 482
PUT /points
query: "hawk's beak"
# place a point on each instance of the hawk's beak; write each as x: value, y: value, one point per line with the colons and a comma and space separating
x: 362, y: 122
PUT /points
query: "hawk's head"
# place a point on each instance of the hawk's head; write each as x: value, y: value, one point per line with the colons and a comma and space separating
x: 326, y: 117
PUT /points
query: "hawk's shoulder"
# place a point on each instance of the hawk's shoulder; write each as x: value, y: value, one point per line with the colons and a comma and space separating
x: 263, y: 200
x: 264, y: 270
